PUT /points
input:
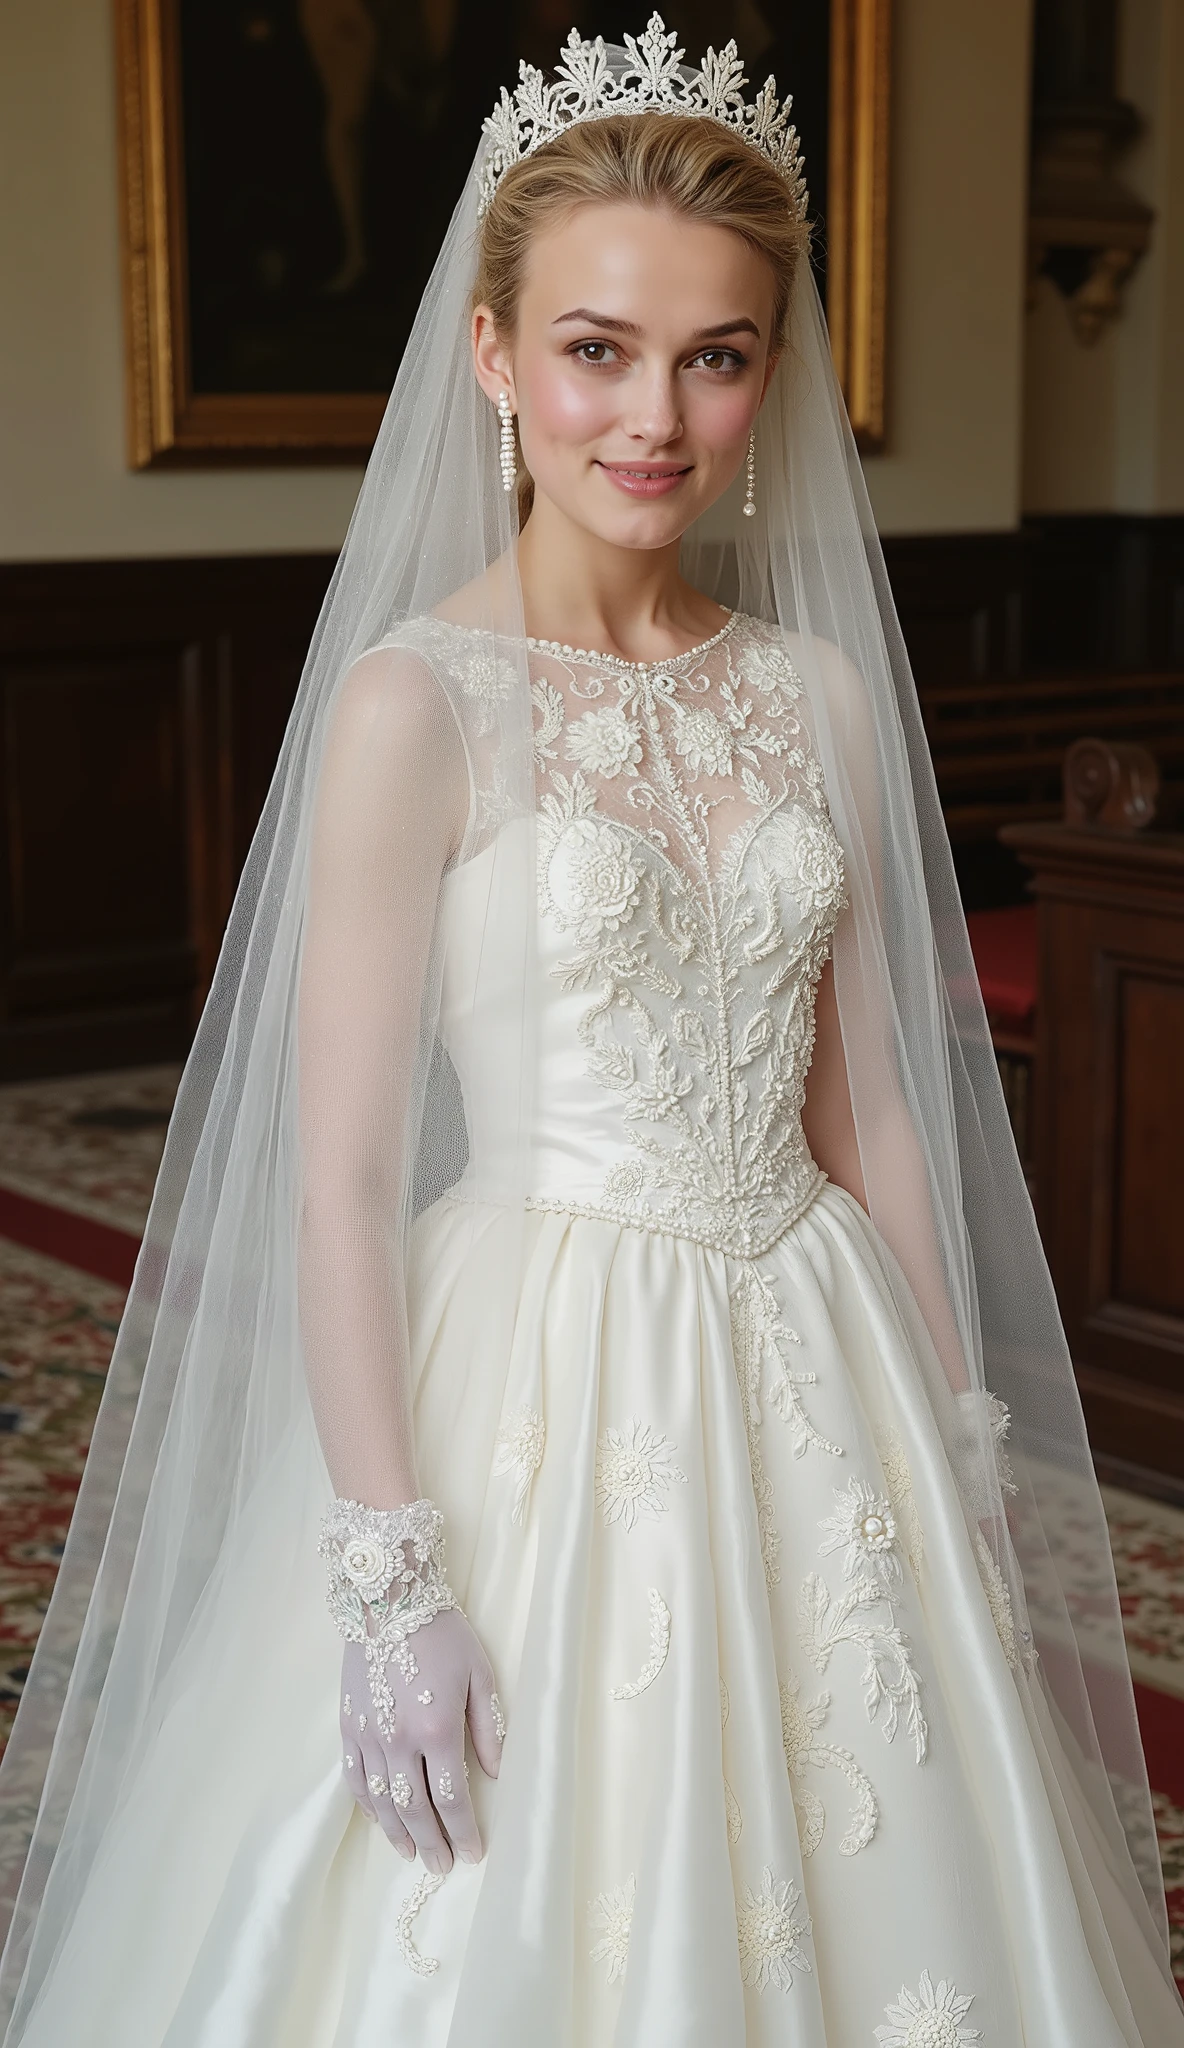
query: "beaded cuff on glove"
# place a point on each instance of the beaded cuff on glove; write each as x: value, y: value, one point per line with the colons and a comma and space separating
x: 386, y: 1579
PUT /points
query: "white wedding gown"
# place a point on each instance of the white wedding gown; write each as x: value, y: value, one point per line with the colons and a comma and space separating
x: 770, y: 1780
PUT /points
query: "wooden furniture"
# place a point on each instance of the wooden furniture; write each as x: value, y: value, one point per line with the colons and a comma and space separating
x: 1110, y: 1098
x: 999, y: 748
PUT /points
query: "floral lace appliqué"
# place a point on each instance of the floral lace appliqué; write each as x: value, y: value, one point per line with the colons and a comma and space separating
x: 688, y: 865
x: 760, y: 1336
x: 603, y: 742
x: 930, y: 2017
x: 898, y: 1481
x: 863, y: 1617
x: 771, y: 1925
x: 420, y: 1893
x: 863, y: 1527
x: 611, y: 1913
x: 659, y: 1650
x: 998, y: 1599
x: 635, y: 1469
x: 700, y: 948
x: 518, y: 1448
x: 800, y: 1723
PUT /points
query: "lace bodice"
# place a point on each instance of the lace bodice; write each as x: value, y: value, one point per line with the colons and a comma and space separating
x: 689, y: 881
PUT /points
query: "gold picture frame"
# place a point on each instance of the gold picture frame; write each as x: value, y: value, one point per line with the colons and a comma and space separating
x: 857, y: 209
x: 169, y: 423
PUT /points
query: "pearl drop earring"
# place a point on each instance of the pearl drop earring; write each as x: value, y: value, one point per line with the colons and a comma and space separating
x: 750, y: 488
x: 508, y: 454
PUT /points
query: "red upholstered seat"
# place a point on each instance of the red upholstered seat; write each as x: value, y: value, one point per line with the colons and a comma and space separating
x: 1005, y: 957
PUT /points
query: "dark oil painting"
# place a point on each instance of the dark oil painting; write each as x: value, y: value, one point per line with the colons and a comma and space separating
x: 326, y: 143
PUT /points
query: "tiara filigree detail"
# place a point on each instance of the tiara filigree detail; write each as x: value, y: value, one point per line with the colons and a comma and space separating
x: 587, y: 89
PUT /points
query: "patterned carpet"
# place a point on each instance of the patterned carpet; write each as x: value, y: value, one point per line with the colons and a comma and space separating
x: 90, y: 1145
x: 81, y: 1155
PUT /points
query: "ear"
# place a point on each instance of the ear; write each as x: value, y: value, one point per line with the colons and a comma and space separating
x: 492, y: 361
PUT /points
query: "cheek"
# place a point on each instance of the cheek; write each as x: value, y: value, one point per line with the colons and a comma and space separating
x: 567, y: 407
x: 720, y: 419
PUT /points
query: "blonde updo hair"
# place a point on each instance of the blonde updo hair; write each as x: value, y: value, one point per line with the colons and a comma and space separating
x: 672, y: 162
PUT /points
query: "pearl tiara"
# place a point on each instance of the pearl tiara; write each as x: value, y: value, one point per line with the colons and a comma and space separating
x: 587, y: 89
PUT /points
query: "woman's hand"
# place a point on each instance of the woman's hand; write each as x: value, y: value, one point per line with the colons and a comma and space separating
x: 415, y: 1785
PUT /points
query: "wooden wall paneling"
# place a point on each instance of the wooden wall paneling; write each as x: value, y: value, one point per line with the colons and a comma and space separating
x: 960, y: 597
x: 104, y: 848
x: 1104, y: 590
x: 1065, y: 593
x: 141, y: 710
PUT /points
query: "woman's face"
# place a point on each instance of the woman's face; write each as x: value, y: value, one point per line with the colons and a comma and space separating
x: 640, y: 360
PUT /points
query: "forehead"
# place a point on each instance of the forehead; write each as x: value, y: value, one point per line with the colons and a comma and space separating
x: 650, y: 266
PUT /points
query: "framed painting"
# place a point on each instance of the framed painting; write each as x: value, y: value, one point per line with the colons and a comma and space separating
x: 288, y: 168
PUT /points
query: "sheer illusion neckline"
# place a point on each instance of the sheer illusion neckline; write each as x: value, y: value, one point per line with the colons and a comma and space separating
x: 663, y: 663
x: 561, y: 649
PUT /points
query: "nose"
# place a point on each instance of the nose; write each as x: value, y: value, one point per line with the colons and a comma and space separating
x: 655, y: 416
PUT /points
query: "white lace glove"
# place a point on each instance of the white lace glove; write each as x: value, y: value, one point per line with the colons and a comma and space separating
x: 982, y: 1420
x: 412, y: 1672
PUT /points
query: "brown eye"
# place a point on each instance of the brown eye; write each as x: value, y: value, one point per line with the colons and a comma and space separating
x: 592, y: 351
x: 720, y: 359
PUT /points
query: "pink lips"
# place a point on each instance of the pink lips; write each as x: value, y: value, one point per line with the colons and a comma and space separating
x: 645, y: 479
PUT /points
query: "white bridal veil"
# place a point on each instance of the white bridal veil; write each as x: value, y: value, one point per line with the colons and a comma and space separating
x: 209, y: 1378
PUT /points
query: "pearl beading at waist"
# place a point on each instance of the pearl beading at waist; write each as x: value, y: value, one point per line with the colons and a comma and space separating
x: 738, y: 1241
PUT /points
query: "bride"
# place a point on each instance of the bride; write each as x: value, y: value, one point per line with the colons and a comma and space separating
x: 586, y: 1237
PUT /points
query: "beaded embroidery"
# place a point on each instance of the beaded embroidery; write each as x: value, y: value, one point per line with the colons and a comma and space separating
x: 799, y: 1726
x: 518, y: 1449
x: 701, y: 952
x: 612, y: 1913
x: 420, y: 1893
x: 863, y: 1616
x: 659, y: 1650
x: 770, y: 1930
x: 386, y: 1579
x: 930, y: 2017
x: 634, y: 1470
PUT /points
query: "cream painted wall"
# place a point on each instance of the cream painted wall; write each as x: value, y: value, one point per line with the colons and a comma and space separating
x: 1104, y: 425
x: 957, y: 252
x: 957, y: 225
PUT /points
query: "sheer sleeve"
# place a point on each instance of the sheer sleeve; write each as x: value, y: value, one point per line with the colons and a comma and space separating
x: 390, y: 813
x: 878, y: 1156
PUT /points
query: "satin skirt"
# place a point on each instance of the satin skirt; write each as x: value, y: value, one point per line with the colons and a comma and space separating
x: 770, y: 1780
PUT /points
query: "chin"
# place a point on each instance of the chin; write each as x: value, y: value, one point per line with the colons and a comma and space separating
x: 627, y: 525
x: 642, y: 532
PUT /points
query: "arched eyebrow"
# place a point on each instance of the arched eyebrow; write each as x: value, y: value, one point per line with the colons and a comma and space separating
x: 588, y: 318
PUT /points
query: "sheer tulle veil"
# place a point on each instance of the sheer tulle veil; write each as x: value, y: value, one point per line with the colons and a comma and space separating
x: 207, y: 1383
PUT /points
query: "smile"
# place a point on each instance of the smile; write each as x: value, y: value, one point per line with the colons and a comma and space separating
x: 648, y: 480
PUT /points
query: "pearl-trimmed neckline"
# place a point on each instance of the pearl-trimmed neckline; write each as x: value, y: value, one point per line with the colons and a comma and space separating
x: 664, y: 662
